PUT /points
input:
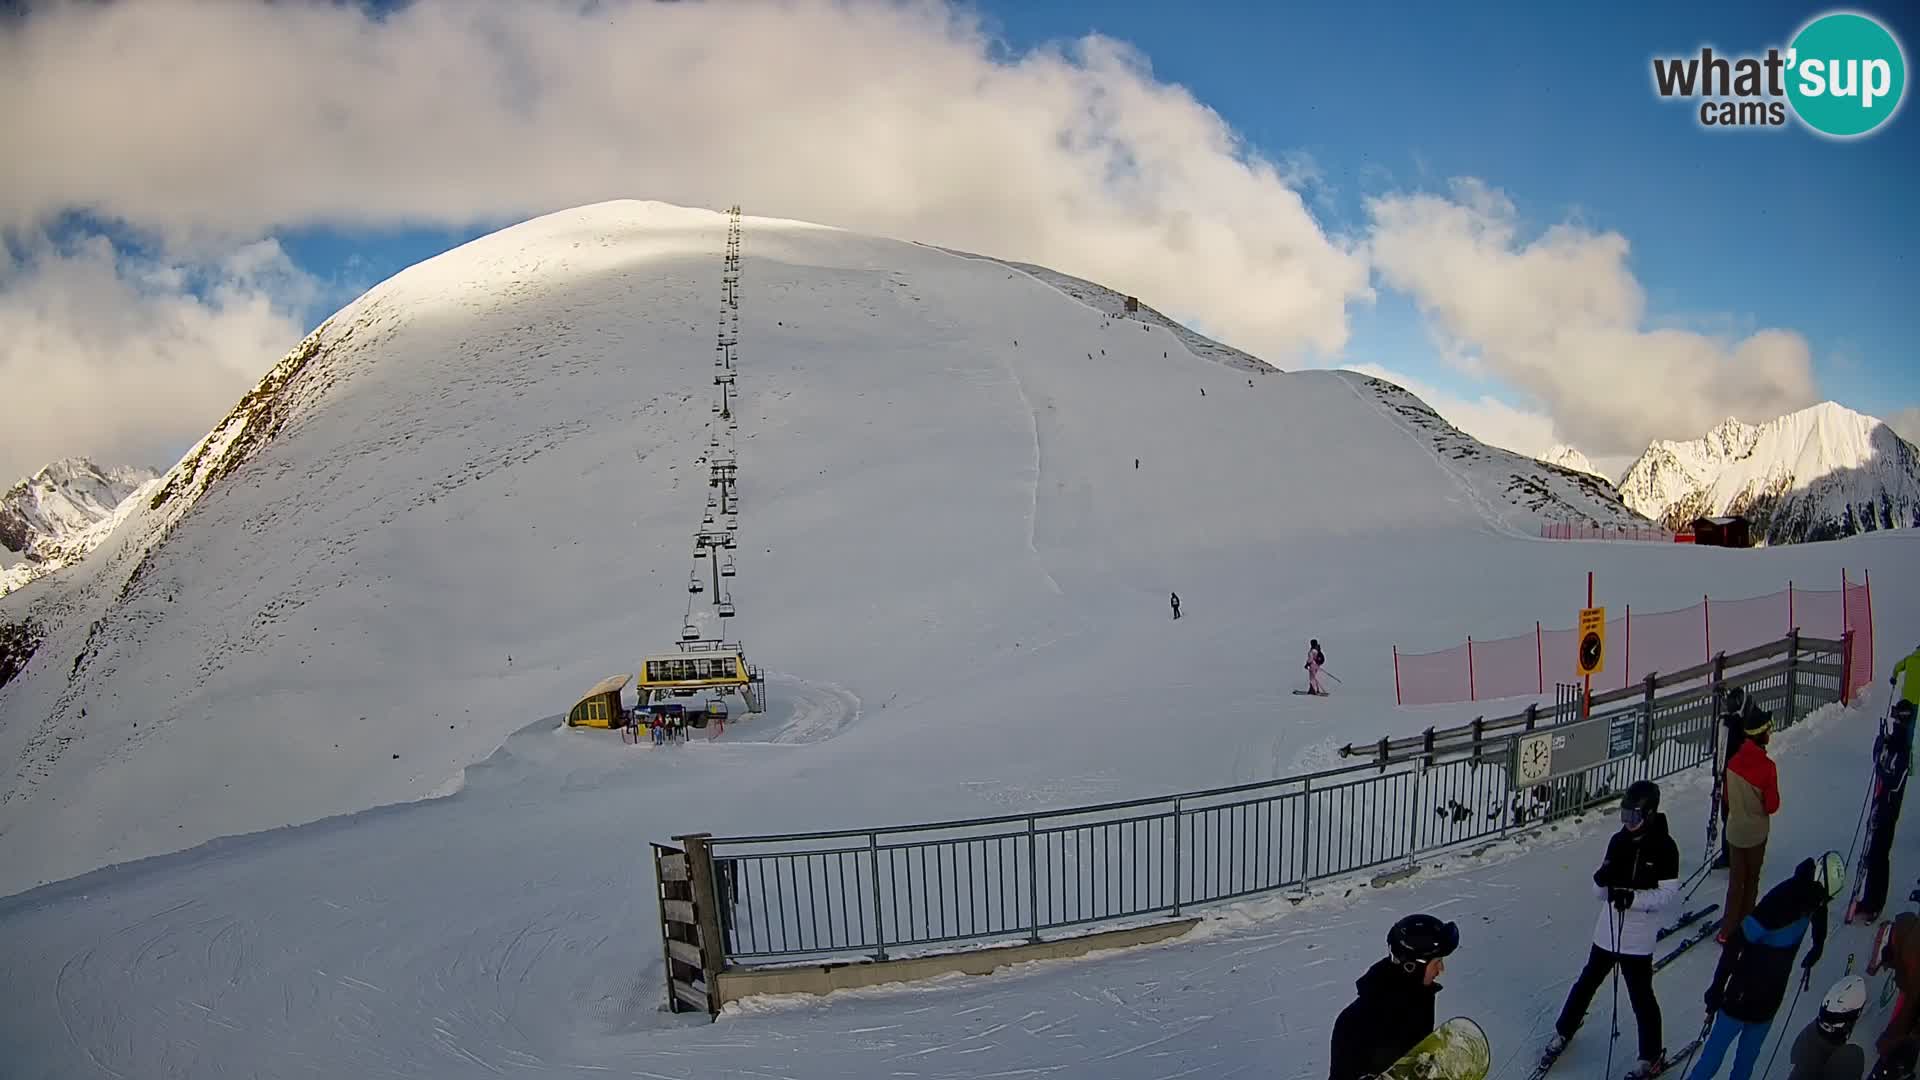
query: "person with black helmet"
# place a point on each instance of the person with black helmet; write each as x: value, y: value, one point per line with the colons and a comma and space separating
x: 1637, y: 880
x: 1732, y: 721
x: 1394, y: 1009
x: 1822, y: 1051
x: 1750, y: 982
x: 1750, y: 789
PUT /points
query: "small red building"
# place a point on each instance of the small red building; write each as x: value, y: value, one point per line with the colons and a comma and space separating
x: 1721, y: 532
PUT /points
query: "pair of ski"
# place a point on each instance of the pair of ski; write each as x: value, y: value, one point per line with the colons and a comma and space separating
x: 1685, y: 920
x: 1667, y: 1061
x: 1706, y: 931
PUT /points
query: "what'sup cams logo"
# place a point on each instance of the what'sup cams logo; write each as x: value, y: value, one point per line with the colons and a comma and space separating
x: 1843, y: 76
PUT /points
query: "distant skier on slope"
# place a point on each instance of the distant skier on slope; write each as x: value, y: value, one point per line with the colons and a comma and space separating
x: 1638, y: 879
x: 1751, y: 979
x: 1315, y: 661
x: 1822, y: 1051
x: 1176, y: 604
x: 1394, y: 1009
x: 1892, y: 759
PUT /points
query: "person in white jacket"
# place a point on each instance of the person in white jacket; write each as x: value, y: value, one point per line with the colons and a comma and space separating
x: 1639, y: 879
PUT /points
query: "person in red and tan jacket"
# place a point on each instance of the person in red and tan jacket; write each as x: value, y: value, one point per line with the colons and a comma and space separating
x: 1752, y: 797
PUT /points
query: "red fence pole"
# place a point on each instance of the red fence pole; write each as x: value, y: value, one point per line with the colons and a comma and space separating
x: 1539, y: 658
x: 1868, y: 574
x: 1471, y: 692
x: 1396, y: 675
x: 1706, y: 617
x: 1626, y: 675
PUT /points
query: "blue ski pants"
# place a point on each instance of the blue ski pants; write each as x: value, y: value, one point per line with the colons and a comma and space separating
x: 1724, y: 1031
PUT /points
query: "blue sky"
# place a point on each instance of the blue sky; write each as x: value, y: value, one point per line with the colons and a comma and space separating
x: 1730, y: 231
x: 1553, y: 103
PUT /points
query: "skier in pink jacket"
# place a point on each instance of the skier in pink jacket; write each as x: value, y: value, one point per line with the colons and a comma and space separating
x: 1315, y: 658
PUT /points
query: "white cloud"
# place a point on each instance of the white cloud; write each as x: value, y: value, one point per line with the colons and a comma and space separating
x: 1906, y: 423
x: 901, y: 119
x: 1561, y: 318
x: 126, y: 359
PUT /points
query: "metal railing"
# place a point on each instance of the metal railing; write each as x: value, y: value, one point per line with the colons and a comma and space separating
x: 885, y: 891
x: 1807, y: 654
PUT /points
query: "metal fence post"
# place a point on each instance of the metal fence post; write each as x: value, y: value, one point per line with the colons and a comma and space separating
x: 1176, y: 855
x: 879, y: 927
x: 1793, y: 677
x: 1646, y: 746
x: 1306, y: 833
x: 1413, y: 810
x: 1033, y: 881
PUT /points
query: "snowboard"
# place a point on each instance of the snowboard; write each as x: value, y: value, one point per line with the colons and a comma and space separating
x: 1457, y: 1050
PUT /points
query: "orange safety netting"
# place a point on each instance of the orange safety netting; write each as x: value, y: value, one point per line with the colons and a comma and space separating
x: 1640, y: 644
x: 1572, y: 530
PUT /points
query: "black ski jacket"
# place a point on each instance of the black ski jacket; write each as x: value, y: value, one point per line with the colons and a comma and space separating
x: 1757, y: 965
x: 1393, y: 1012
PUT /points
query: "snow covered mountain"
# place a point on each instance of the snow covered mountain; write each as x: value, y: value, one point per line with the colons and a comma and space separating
x: 60, y: 513
x: 470, y: 494
x: 1817, y: 474
x: 966, y: 491
x: 1567, y: 457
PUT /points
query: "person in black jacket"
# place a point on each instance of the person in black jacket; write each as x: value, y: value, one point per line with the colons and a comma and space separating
x: 1751, y: 979
x: 1892, y: 757
x: 1637, y: 880
x: 1394, y: 1009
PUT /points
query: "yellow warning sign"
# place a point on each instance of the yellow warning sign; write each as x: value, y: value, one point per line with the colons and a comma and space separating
x: 1593, y: 641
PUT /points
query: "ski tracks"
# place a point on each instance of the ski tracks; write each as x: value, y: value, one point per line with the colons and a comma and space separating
x: 1033, y: 508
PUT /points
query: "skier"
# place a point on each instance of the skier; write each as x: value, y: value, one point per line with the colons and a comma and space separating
x: 1899, y: 1042
x: 1892, y: 756
x: 1751, y: 792
x: 1638, y: 878
x: 1315, y: 660
x: 1751, y: 979
x: 1822, y: 1051
x: 1176, y: 605
x: 1394, y: 1009
x: 1740, y: 711
x: 1910, y: 664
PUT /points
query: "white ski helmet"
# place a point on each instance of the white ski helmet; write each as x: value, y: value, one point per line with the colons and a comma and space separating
x: 1843, y: 1005
x: 1830, y: 870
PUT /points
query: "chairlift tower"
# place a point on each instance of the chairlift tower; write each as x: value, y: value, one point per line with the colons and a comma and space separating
x: 708, y: 542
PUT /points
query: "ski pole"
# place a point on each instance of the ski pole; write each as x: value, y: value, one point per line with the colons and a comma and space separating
x: 1619, y: 918
x: 1806, y: 976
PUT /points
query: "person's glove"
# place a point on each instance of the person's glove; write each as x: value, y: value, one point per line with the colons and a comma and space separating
x: 1622, y: 899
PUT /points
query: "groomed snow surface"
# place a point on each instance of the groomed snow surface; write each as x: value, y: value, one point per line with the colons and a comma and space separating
x: 958, y: 581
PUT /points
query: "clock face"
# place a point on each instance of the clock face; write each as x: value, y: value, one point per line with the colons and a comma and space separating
x: 1590, y: 652
x: 1535, y: 759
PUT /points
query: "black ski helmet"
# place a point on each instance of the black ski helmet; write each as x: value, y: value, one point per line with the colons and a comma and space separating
x: 1643, y: 795
x: 1736, y: 699
x: 1903, y: 711
x: 1642, y: 799
x: 1417, y: 939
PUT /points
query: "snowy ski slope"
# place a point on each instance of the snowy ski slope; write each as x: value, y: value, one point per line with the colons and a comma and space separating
x: 951, y: 568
